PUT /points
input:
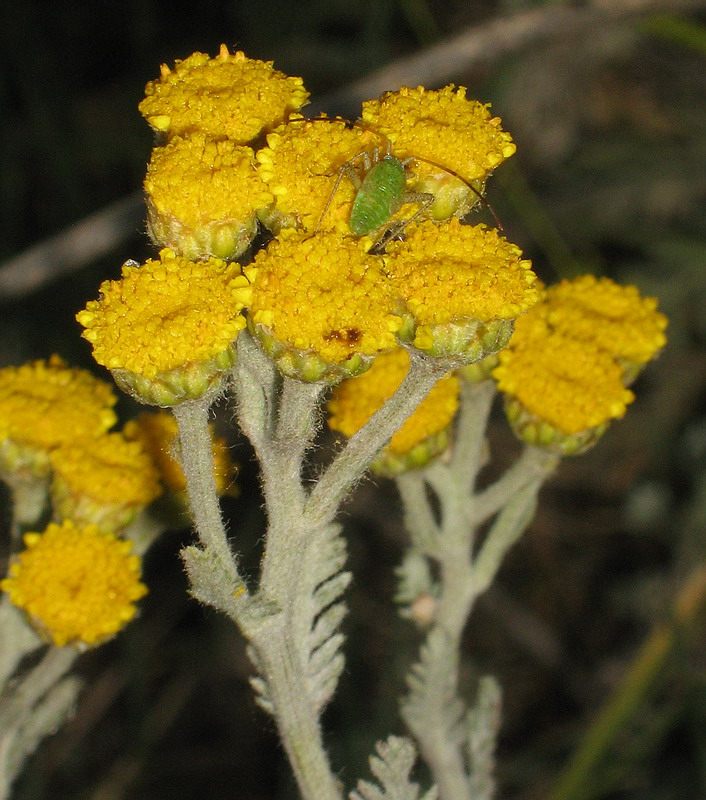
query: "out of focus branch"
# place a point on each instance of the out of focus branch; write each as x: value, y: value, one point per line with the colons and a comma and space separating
x: 73, y: 248
x: 454, y: 56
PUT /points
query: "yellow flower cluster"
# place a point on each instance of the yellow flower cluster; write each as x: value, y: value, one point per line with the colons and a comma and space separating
x: 77, y: 585
x: 202, y: 188
x: 569, y: 360
x: 167, y: 329
x: 44, y: 404
x: 323, y: 302
x: 55, y: 422
x: 454, y: 144
x: 76, y: 582
x: 238, y: 97
x: 424, y: 434
x: 321, y: 305
x: 157, y: 433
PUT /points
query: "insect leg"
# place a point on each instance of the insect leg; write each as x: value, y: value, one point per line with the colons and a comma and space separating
x: 348, y: 170
x: 395, y: 230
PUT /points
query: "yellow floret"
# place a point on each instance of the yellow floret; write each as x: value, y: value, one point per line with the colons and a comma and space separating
x: 300, y: 166
x: 355, y: 400
x: 105, y: 481
x: 77, y: 585
x: 158, y: 433
x: 325, y: 296
x: 615, y: 318
x: 170, y: 318
x: 572, y: 385
x: 229, y: 96
x: 203, y: 197
x: 44, y: 404
x: 443, y: 127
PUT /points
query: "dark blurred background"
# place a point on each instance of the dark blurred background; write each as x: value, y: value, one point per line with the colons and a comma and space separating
x: 607, y: 104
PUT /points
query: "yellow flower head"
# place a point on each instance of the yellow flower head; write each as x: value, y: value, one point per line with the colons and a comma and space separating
x: 422, y: 436
x: 167, y: 330
x: 229, y: 96
x: 203, y: 197
x: 444, y: 128
x: 157, y: 433
x: 300, y: 166
x: 560, y: 392
x: 77, y: 585
x: 44, y: 404
x: 321, y: 305
x: 104, y: 481
x: 615, y: 318
x: 463, y: 284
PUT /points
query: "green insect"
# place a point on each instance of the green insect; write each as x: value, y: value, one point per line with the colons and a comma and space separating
x: 381, y: 192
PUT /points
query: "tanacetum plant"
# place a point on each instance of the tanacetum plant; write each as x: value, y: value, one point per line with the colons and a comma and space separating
x: 371, y: 281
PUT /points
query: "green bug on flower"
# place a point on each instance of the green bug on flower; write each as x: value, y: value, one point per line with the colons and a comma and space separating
x: 380, y: 182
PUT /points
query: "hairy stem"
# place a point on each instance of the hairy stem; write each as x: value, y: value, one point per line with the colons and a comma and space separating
x: 433, y: 709
x: 55, y: 663
x: 19, y: 639
x: 32, y: 709
x: 534, y: 463
x: 256, y: 382
x: 29, y: 500
x: 281, y: 418
x: 419, y: 520
x: 280, y: 663
x: 362, y: 448
x: 196, y: 458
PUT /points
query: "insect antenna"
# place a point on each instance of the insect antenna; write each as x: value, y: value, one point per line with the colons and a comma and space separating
x: 487, y: 204
x: 475, y: 191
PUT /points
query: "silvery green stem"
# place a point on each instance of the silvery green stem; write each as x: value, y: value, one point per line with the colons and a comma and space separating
x: 29, y: 500
x: 510, y: 524
x: 433, y: 709
x: 196, y: 457
x: 281, y: 460
x: 256, y: 382
x: 291, y: 620
x: 418, y: 515
x: 17, y: 637
x: 532, y: 464
x: 482, y: 726
x: 143, y: 531
x: 32, y: 709
x: 279, y: 662
x: 468, y: 454
x: 362, y: 448
x: 281, y: 416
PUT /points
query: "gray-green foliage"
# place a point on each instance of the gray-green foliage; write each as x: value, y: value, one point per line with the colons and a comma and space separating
x: 392, y: 767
